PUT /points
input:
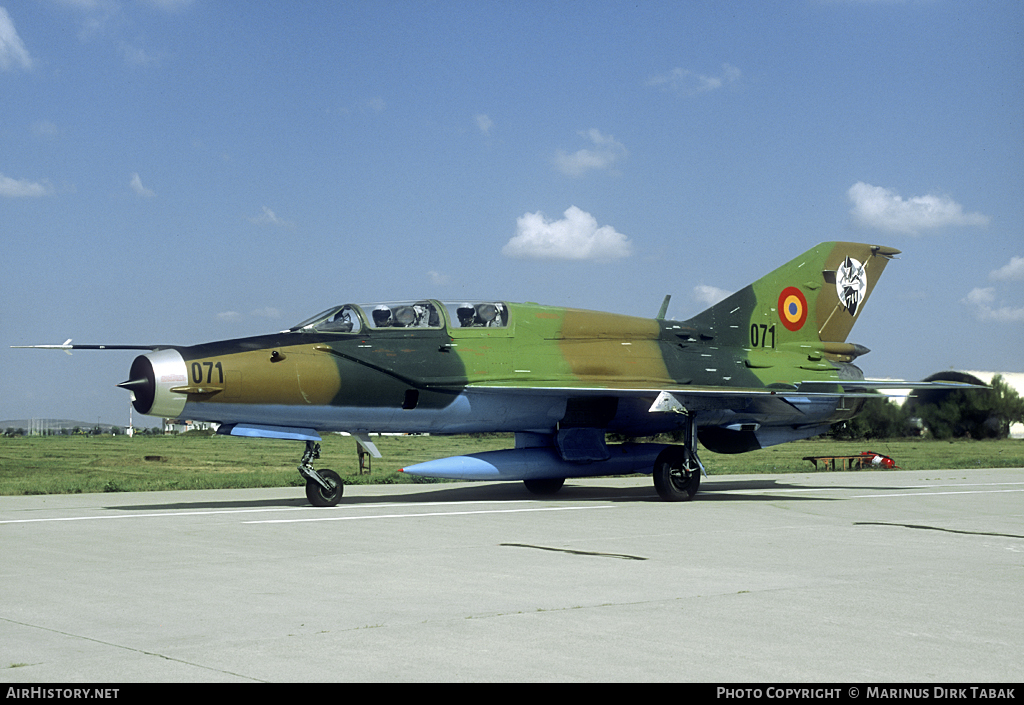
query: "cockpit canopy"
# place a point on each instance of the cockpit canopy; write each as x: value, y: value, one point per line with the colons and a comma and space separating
x: 481, y: 314
x: 353, y: 318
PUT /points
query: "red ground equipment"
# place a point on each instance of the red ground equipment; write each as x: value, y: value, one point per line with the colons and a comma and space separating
x: 867, y: 460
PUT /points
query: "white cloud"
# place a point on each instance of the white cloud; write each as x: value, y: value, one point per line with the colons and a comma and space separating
x: 575, y: 237
x: 680, y: 79
x: 138, y: 188
x: 137, y: 56
x: 21, y: 188
x: 267, y: 312
x: 484, y: 123
x: 268, y: 217
x: 106, y: 21
x: 884, y: 209
x: 169, y: 5
x: 374, y: 105
x: 1013, y: 270
x: 709, y: 295
x: 983, y: 300
x: 46, y: 130
x: 438, y: 279
x: 605, y: 153
x: 13, y: 53
x: 981, y: 297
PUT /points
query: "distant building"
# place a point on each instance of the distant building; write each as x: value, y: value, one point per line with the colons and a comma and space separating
x: 172, y: 426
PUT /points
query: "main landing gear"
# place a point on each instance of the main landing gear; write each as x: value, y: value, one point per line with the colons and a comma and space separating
x: 677, y: 469
x: 323, y: 487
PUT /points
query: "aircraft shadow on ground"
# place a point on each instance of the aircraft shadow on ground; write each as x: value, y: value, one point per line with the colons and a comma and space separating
x: 716, y: 491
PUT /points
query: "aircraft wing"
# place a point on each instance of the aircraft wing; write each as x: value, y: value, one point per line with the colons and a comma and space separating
x: 683, y: 399
x: 839, y: 388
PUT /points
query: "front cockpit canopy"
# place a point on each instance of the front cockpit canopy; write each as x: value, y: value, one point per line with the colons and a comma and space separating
x: 337, y: 319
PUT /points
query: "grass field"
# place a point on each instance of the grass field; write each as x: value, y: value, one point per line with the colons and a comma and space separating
x: 68, y: 465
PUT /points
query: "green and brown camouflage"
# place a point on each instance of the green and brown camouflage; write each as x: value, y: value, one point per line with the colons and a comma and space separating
x: 768, y: 364
x: 750, y: 340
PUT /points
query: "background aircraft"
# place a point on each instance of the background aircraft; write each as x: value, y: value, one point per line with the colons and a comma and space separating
x: 767, y: 365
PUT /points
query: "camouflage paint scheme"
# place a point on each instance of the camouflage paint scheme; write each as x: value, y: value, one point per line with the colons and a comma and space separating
x: 769, y: 364
x: 761, y: 358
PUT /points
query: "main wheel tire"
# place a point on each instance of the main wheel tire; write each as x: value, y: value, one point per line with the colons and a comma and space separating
x: 320, y: 497
x: 676, y: 474
x: 545, y: 486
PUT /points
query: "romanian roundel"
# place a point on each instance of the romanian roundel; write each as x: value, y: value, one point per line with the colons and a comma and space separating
x: 792, y: 308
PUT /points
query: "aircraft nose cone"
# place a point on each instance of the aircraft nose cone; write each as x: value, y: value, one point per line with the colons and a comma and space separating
x: 135, y: 385
x: 141, y: 384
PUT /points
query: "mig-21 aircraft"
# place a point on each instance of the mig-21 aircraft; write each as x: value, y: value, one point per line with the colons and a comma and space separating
x: 767, y: 365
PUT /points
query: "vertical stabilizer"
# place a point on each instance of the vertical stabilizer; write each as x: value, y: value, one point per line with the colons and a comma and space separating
x: 817, y: 296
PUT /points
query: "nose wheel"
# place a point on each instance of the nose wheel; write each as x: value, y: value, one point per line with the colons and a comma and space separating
x: 324, y: 487
x: 320, y: 496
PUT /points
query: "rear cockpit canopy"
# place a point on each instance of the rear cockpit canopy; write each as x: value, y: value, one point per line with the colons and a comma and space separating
x: 354, y: 318
x: 480, y: 314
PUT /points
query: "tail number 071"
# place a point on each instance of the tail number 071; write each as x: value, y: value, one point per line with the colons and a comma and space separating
x: 762, y: 335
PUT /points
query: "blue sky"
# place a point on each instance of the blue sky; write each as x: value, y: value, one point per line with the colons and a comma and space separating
x: 179, y: 171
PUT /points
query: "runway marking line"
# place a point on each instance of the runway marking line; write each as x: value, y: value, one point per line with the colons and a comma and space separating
x: 921, y: 494
x: 149, y: 515
x: 780, y: 490
x: 426, y: 514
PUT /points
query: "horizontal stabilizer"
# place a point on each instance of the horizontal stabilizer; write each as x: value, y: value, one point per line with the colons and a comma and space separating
x: 905, y: 384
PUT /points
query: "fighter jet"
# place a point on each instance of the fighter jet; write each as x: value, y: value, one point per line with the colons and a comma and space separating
x: 767, y: 365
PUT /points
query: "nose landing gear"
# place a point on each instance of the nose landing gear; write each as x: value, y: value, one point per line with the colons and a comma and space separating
x: 323, y: 488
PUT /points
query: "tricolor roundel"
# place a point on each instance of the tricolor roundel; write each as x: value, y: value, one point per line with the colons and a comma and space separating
x: 792, y: 308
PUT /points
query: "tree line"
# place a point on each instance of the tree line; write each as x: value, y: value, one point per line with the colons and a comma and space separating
x: 941, y: 414
x: 103, y: 430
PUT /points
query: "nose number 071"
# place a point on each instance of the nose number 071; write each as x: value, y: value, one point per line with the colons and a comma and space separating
x: 197, y: 372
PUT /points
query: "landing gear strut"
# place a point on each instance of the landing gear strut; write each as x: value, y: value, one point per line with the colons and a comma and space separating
x: 677, y: 469
x: 324, y: 487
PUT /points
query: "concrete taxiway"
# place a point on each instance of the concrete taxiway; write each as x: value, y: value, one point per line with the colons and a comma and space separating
x: 844, y: 577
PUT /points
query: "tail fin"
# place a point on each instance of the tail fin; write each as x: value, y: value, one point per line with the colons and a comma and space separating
x: 816, y: 297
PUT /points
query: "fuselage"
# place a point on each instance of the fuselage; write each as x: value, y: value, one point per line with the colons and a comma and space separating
x: 433, y: 367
